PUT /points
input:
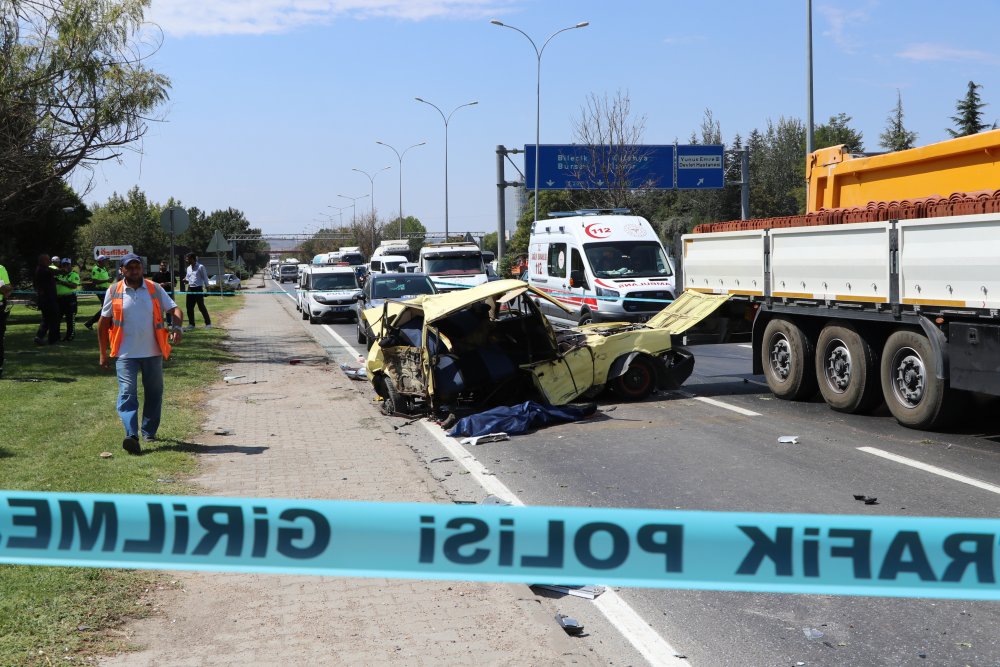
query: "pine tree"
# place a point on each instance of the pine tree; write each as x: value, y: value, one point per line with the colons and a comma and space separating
x: 969, y: 119
x: 896, y: 137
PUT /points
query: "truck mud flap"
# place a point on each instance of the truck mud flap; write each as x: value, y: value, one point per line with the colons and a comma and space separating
x: 678, y: 364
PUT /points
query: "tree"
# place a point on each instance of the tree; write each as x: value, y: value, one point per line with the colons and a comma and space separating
x: 231, y: 222
x: 969, y: 119
x: 129, y: 220
x: 614, y: 138
x: 896, y: 137
x: 777, y: 168
x: 837, y: 132
x: 74, y: 91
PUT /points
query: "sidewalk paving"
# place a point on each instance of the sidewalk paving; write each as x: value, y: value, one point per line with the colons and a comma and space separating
x: 306, y: 431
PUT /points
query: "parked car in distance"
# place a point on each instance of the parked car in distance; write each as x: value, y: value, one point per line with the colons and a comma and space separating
x: 327, y: 292
x: 383, y: 286
x: 230, y: 282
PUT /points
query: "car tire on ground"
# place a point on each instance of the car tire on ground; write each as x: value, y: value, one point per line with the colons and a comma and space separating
x: 847, y: 370
x: 305, y: 315
x: 789, y: 366
x: 637, y: 382
x: 586, y: 318
x: 392, y: 402
x: 312, y: 319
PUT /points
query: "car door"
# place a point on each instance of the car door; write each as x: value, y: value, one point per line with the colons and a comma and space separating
x: 565, y: 378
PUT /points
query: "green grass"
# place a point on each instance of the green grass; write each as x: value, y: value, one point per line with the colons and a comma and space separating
x: 57, y: 414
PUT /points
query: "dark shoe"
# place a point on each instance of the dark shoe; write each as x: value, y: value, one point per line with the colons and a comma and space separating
x: 39, y: 341
x: 89, y: 325
x: 148, y: 438
x: 131, y: 445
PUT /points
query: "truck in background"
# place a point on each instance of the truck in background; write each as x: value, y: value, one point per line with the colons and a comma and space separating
x: 898, y: 301
x: 453, y: 266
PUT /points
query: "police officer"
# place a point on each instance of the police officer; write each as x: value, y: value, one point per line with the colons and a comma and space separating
x: 101, y: 279
x: 67, y: 285
x: 48, y: 306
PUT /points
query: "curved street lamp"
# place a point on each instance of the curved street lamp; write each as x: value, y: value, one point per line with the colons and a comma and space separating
x: 446, y: 119
x: 353, y: 200
x: 538, y: 87
x: 340, y: 212
x: 400, y: 156
x: 371, y: 180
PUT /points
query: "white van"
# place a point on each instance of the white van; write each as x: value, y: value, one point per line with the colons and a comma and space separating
x: 453, y: 266
x: 608, y: 267
x: 327, y: 292
x: 386, y: 264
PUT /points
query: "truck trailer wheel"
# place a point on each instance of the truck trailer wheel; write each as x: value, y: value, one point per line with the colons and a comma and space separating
x: 914, y: 396
x: 788, y: 361
x: 847, y: 370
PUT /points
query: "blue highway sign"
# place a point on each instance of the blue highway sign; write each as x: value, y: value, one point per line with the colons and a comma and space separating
x: 572, y: 167
x: 699, y: 167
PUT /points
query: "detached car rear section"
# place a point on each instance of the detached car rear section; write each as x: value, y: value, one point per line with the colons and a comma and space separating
x: 491, y: 345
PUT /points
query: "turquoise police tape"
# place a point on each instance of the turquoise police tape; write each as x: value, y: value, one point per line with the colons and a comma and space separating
x: 929, y: 557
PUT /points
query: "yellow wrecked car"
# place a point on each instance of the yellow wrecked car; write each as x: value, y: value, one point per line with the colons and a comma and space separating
x: 490, y: 345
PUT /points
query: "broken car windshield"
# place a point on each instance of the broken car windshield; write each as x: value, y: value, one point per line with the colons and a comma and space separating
x: 627, y: 259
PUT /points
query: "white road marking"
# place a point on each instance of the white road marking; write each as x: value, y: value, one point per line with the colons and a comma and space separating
x: 343, y: 343
x: 926, y: 467
x: 744, y: 345
x: 636, y: 631
x: 720, y: 404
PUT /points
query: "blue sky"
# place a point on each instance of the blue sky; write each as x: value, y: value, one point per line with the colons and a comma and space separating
x: 274, y: 102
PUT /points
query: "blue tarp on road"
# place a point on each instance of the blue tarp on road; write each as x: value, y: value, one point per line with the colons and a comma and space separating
x: 517, y: 419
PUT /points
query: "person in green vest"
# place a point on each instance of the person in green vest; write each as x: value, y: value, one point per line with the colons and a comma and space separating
x: 67, y: 285
x: 101, y: 280
x: 5, y: 291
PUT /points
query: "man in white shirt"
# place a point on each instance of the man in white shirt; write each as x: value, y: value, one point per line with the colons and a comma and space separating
x: 197, y: 283
x: 133, y: 322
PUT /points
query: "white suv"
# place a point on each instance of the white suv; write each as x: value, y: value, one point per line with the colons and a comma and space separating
x: 327, y: 292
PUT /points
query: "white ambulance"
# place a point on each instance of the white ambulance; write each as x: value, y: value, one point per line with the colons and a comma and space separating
x: 607, y: 265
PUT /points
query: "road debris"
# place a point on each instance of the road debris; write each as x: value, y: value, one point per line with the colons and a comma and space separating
x: 494, y: 500
x: 586, y: 592
x: 789, y: 439
x: 106, y: 455
x: 355, y: 373
x: 483, y: 439
x: 812, y: 633
x: 572, y: 626
x: 229, y: 378
x: 223, y: 431
x: 867, y: 500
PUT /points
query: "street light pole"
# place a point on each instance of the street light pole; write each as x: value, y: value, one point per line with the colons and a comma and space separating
x: 371, y: 180
x: 353, y: 211
x: 340, y: 212
x: 400, y: 156
x: 538, y: 88
x: 446, y: 119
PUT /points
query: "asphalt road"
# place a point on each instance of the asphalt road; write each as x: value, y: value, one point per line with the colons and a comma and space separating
x: 714, y: 446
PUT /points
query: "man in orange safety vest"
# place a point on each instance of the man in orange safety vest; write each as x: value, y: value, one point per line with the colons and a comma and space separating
x: 133, y: 330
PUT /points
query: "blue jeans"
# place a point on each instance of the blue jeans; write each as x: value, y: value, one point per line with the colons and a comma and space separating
x: 128, y: 394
